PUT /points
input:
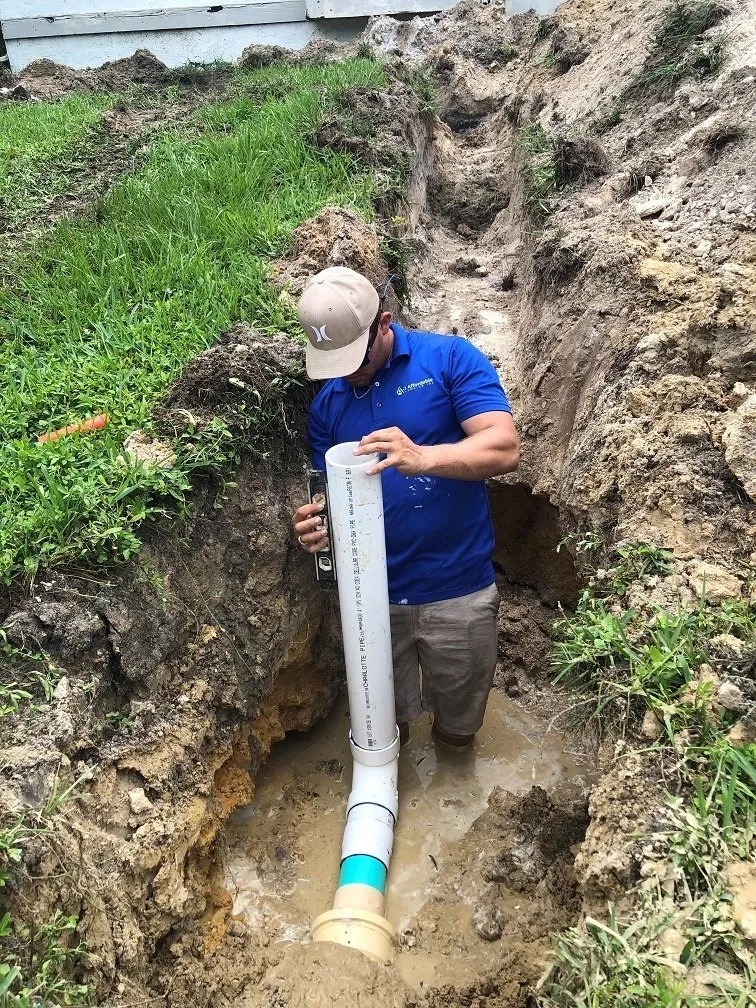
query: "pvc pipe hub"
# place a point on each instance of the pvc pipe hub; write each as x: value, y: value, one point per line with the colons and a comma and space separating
x: 360, y: 929
x: 375, y: 757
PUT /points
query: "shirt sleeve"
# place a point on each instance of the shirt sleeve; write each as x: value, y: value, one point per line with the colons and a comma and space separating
x: 474, y: 385
x: 318, y: 436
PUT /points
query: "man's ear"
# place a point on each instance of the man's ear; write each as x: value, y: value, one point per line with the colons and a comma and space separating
x: 386, y: 320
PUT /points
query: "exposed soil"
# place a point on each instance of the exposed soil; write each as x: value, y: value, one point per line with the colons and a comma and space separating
x: 45, y: 79
x: 623, y: 326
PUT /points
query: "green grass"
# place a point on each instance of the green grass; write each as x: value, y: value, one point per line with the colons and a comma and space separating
x: 539, y: 167
x: 554, y: 162
x: 33, y: 137
x: 106, y: 311
x: 679, y: 49
x: 623, y: 662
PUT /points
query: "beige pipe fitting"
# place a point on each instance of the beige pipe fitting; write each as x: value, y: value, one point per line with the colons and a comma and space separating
x: 358, y: 928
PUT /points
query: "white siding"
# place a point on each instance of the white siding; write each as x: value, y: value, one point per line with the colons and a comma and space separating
x: 145, y: 16
x: 174, y: 48
x: 367, y: 8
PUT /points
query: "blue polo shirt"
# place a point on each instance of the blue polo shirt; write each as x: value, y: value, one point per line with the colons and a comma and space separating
x: 439, y: 536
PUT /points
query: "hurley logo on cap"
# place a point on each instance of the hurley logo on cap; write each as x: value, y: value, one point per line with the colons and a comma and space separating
x: 336, y: 310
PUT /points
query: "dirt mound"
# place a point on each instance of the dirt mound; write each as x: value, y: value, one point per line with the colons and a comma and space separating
x: 48, y: 80
x: 324, y: 974
x: 256, y: 56
x: 240, y: 380
x: 141, y: 68
x: 45, y: 79
x: 336, y: 236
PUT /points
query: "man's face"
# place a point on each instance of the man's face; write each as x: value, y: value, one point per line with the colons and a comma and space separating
x: 377, y: 354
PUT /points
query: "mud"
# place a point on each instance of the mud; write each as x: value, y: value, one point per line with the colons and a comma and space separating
x: 283, y: 850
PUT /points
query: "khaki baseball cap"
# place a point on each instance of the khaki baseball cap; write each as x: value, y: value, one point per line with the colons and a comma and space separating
x: 336, y: 310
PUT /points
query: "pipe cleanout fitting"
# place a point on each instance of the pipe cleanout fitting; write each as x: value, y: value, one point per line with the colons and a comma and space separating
x: 359, y: 548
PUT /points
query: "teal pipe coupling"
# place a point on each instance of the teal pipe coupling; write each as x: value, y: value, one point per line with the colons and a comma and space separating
x: 363, y: 870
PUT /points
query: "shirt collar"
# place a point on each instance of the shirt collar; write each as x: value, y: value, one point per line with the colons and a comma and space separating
x: 401, y: 348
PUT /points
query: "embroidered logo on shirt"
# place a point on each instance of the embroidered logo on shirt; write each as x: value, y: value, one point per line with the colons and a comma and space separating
x: 413, y: 385
x: 320, y: 334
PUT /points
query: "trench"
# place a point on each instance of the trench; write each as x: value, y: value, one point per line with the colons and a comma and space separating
x: 281, y: 859
x: 281, y: 855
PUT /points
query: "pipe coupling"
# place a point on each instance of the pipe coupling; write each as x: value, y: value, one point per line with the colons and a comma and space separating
x: 374, y: 757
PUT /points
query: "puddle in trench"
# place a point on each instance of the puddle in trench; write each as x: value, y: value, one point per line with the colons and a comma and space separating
x: 283, y: 849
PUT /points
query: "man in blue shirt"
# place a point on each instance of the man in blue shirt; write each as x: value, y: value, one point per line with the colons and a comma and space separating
x: 433, y: 407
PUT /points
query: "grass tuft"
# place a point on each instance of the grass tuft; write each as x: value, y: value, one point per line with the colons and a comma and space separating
x: 624, y: 662
x: 680, y: 48
x: 552, y: 162
x: 540, y: 168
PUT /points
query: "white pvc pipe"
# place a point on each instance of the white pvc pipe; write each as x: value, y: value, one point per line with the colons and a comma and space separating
x: 371, y: 811
x: 359, y: 547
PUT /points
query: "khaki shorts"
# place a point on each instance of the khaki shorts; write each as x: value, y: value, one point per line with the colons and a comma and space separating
x: 445, y: 659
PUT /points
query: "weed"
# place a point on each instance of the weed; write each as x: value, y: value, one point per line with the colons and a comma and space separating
x: 38, y: 970
x: 624, y: 662
x: 11, y: 698
x: 38, y: 672
x: 540, y: 168
x: 680, y: 48
x: 146, y: 573
x: 59, y: 796
x: 423, y: 83
x: 504, y: 54
x: 37, y: 961
x: 11, y: 848
x: 584, y: 544
x: 625, y: 964
x: 637, y: 561
x: 118, y: 721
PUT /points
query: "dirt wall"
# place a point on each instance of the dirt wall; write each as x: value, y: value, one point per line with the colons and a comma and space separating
x: 632, y: 299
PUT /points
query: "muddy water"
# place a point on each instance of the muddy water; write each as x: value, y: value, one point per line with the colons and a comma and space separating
x: 283, y: 858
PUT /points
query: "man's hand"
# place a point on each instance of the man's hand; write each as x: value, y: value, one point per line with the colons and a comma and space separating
x: 309, y: 528
x: 401, y: 453
x: 489, y: 448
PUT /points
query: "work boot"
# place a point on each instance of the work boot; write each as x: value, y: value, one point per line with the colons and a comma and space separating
x: 404, y: 733
x: 457, y: 742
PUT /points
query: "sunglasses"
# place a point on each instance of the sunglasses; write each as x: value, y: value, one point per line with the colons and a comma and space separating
x: 376, y: 321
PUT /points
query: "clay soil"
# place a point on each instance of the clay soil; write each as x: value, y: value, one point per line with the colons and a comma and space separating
x: 623, y: 326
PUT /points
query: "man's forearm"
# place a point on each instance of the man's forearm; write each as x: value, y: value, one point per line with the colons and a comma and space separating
x: 474, y: 458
